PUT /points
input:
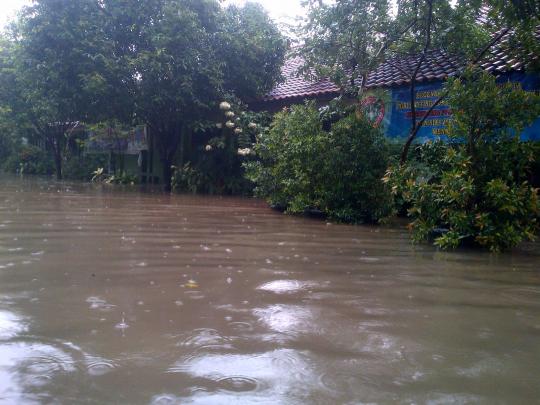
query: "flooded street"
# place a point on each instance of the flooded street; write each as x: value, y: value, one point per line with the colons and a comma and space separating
x: 111, y: 296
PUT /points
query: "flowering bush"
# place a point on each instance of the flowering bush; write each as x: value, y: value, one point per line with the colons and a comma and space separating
x: 303, y: 168
x: 216, y: 165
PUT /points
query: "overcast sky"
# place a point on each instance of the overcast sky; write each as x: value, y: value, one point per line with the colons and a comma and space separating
x: 283, y: 11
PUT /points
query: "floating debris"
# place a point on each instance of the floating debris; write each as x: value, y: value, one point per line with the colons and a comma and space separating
x: 192, y: 284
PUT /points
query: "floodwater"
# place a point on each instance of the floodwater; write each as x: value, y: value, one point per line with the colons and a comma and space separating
x: 116, y: 296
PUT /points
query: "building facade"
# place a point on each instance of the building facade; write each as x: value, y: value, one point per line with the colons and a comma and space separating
x: 387, y: 93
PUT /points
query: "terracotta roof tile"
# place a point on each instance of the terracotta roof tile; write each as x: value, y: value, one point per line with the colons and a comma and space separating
x: 397, y: 71
x: 295, y: 86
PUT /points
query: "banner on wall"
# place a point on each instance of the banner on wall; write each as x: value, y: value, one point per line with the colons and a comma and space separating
x: 376, y: 105
x: 391, y: 109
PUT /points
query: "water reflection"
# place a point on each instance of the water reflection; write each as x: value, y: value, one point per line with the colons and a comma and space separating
x: 113, y: 296
x: 10, y: 325
x: 259, y: 375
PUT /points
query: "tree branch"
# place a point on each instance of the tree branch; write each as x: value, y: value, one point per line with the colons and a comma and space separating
x: 445, y: 93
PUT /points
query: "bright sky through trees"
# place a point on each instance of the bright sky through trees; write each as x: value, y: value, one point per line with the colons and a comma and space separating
x: 283, y: 11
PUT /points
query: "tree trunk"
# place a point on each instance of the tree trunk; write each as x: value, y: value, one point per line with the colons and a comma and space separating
x: 58, y: 165
x: 167, y: 175
x: 168, y: 137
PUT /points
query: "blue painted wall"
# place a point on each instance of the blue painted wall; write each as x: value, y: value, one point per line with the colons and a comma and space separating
x: 391, y: 107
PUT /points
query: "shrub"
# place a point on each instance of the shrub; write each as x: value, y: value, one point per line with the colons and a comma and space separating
x: 29, y: 159
x: 303, y: 168
x: 186, y: 178
x: 7, y: 147
x: 99, y: 176
x: 475, y: 188
x: 82, y: 168
x: 215, y: 165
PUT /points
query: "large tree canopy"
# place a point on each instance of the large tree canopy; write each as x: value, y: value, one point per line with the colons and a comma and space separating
x: 164, y: 63
x: 178, y: 58
x: 49, y: 70
x: 346, y: 39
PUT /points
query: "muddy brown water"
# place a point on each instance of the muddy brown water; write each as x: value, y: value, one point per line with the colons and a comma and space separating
x: 122, y: 297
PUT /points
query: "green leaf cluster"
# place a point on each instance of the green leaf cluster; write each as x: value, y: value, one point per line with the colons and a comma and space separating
x: 163, y: 63
x: 475, y: 189
x: 302, y: 168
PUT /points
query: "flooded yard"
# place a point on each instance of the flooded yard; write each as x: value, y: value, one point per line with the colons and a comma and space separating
x: 111, y: 296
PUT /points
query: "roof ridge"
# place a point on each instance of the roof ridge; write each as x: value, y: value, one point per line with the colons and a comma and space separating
x: 439, y: 64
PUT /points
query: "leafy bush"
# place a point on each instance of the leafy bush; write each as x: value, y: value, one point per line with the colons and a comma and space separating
x: 82, y: 168
x: 186, y: 178
x: 303, y: 168
x: 7, y: 147
x: 29, y: 159
x: 475, y: 188
x: 122, y: 178
x: 99, y: 176
x: 221, y: 147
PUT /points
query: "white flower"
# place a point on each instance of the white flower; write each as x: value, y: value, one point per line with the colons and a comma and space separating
x: 208, y: 148
x: 219, y: 125
x: 238, y: 131
x: 244, y: 152
x: 229, y: 114
x: 252, y: 125
x: 224, y: 106
x: 229, y: 124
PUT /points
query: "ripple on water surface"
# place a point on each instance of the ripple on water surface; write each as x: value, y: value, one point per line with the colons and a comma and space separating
x: 266, y: 374
x: 230, y: 302
x: 205, y: 339
x: 286, y: 286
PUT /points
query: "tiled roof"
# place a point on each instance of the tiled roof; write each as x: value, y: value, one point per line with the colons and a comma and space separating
x: 295, y: 86
x: 397, y: 71
x: 506, y: 56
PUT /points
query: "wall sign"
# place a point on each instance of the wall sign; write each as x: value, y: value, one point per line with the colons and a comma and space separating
x: 391, y: 109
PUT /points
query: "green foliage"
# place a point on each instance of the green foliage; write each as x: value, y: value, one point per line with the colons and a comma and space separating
x: 222, y: 147
x: 253, y: 51
x: 523, y: 16
x: 122, y: 178
x: 45, y: 66
x: 302, y: 168
x: 29, y: 159
x: 475, y: 189
x: 164, y: 63
x: 452, y: 26
x: 179, y: 57
x: 186, y: 178
x: 82, y: 168
x: 99, y: 176
x: 8, y: 142
x: 342, y: 38
x: 347, y: 39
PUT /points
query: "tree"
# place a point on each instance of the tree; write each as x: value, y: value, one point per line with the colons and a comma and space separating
x: 344, y: 40
x: 179, y: 58
x: 338, y: 35
x: 475, y: 189
x: 8, y: 126
x: 53, y: 71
